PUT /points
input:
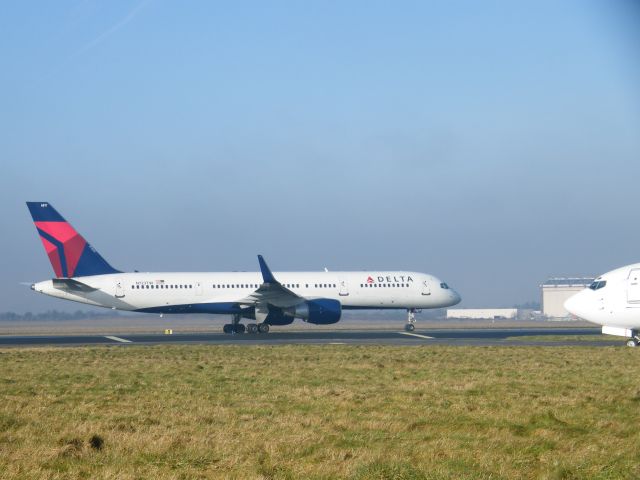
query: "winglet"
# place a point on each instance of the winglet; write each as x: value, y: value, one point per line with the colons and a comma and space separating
x: 267, y: 276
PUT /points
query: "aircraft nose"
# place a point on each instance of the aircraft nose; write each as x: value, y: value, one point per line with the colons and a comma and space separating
x: 575, y: 304
x: 455, y: 298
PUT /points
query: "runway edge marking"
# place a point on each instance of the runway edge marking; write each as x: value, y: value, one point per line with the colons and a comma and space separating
x: 118, y: 339
x: 416, y: 335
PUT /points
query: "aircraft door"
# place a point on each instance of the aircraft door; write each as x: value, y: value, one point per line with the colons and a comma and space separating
x: 198, y: 288
x: 633, y: 286
x: 344, y: 287
x: 119, y: 289
x: 426, y: 289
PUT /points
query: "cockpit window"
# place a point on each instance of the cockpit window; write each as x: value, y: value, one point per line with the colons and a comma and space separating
x: 598, y: 285
x: 444, y: 286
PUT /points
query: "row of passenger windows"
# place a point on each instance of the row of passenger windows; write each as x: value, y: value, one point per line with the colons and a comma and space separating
x: 287, y: 285
x: 159, y: 286
x: 231, y: 285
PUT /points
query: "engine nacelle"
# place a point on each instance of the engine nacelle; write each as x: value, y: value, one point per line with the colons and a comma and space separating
x: 277, y: 317
x: 321, y: 311
x: 271, y: 315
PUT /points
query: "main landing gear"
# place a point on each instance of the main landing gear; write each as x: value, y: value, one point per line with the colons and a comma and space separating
x: 237, y: 327
x: 411, y: 320
x: 634, y: 340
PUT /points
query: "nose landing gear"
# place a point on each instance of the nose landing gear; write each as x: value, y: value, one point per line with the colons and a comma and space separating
x: 411, y: 320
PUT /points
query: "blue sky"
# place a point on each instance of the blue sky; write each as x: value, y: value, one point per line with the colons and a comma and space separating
x: 490, y: 143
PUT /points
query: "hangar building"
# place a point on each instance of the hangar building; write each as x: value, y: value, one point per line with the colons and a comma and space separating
x: 478, y: 313
x: 558, y: 289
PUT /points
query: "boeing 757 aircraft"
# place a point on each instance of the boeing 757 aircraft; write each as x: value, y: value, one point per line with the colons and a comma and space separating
x: 264, y: 297
x: 613, y: 301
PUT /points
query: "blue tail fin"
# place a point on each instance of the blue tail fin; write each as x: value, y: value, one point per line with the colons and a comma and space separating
x: 69, y: 253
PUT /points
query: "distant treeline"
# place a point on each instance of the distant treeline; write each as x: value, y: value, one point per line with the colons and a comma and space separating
x: 56, y: 315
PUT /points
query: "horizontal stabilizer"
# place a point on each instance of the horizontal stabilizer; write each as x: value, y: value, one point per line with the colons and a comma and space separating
x: 71, y: 284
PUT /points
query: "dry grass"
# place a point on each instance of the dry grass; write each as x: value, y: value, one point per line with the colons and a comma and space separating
x: 319, y: 412
x: 585, y: 339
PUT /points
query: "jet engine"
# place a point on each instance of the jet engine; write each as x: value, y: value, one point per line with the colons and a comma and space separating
x: 321, y: 311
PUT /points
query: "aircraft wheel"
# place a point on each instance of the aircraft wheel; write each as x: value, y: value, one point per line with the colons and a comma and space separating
x: 632, y: 342
x: 239, y: 328
x: 409, y: 327
x: 228, y: 328
x: 252, y: 328
x: 263, y: 328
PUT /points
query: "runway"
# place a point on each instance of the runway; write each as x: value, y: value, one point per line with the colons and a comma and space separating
x: 456, y: 337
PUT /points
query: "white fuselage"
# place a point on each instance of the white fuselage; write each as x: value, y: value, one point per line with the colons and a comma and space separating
x: 218, y: 292
x: 612, y: 300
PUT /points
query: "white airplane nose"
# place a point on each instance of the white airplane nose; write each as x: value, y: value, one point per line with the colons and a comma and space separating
x: 452, y: 298
x: 574, y: 304
x: 456, y: 298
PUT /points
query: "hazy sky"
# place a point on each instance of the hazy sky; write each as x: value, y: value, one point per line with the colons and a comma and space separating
x: 492, y: 144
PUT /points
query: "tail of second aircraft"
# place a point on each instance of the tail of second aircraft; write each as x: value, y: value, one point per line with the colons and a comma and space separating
x: 68, y: 251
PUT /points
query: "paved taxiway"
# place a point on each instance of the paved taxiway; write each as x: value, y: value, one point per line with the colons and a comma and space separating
x: 461, y: 337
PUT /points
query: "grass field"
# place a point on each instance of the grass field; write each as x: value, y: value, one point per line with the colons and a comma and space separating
x: 319, y: 412
x: 585, y: 339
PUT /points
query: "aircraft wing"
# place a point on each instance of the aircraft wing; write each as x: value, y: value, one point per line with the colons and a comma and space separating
x: 271, y: 291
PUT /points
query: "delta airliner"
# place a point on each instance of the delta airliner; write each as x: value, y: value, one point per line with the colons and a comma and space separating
x: 265, y: 298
